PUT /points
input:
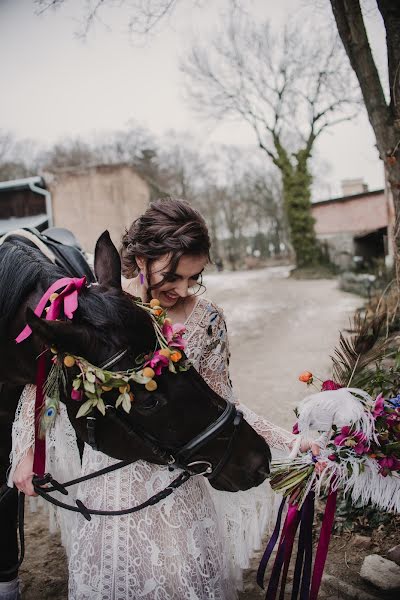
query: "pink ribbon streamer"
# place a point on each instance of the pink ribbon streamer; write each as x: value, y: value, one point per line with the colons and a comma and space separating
x: 323, y: 544
x: 67, y: 299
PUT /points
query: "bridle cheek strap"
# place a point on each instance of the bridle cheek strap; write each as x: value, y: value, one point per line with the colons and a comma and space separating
x: 225, y: 457
x: 230, y: 415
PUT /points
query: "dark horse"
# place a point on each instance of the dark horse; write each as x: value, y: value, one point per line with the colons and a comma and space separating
x: 106, y: 322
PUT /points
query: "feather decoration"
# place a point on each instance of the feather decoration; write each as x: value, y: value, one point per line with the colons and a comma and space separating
x: 48, y: 415
x: 368, y: 485
x: 336, y: 407
x: 363, y: 347
x: 51, y: 389
x: 362, y: 481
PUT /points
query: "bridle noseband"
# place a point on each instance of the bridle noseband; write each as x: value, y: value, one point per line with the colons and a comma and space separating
x: 43, y: 486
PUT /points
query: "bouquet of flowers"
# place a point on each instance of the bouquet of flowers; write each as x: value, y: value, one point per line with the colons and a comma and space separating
x: 357, y: 451
x: 359, y: 447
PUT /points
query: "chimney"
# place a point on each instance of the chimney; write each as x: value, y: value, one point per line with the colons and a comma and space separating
x: 353, y: 186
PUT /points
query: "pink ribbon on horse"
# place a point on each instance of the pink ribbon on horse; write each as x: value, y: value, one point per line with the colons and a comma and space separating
x: 67, y: 298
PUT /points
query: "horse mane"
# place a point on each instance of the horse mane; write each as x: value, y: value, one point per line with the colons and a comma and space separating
x: 109, y: 312
x: 23, y: 268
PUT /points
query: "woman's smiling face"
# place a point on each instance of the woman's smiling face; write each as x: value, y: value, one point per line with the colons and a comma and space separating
x: 176, y: 284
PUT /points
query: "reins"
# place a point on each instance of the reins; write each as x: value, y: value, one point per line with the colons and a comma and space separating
x: 43, y: 486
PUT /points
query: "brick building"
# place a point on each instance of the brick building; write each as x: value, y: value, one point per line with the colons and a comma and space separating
x: 357, y: 224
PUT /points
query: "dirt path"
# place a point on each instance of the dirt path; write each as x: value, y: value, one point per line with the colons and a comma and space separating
x: 278, y: 327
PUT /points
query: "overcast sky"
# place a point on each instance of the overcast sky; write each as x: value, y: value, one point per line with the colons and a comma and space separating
x: 55, y: 85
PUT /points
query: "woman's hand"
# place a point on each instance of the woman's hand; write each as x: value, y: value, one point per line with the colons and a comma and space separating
x: 23, y: 475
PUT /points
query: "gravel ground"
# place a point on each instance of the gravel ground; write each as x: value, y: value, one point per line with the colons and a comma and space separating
x: 278, y: 327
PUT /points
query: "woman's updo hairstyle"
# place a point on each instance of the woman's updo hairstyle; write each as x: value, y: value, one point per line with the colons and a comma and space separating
x: 168, y: 226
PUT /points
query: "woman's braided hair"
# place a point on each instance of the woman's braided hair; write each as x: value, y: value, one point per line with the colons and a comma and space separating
x: 169, y: 226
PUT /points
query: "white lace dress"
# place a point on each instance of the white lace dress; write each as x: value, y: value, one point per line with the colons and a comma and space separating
x: 195, y: 543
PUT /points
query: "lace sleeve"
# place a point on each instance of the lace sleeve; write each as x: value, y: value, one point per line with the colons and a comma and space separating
x: 214, y: 360
x: 214, y: 368
x: 23, y: 430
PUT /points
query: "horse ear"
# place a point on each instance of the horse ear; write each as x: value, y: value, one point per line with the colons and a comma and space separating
x: 63, y: 336
x: 107, y: 263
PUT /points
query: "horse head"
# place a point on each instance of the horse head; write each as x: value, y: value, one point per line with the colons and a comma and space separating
x: 181, y: 422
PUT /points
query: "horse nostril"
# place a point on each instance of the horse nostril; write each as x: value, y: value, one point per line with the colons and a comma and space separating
x: 263, y: 472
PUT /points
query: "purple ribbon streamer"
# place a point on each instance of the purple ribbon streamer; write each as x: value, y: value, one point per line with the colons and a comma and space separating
x: 308, y: 526
x: 302, y: 571
x: 270, y: 546
x: 284, y: 552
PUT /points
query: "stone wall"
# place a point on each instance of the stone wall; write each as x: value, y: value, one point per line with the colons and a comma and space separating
x: 340, y: 248
x: 90, y: 200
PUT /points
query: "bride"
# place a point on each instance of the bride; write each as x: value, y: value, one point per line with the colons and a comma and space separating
x: 195, y: 544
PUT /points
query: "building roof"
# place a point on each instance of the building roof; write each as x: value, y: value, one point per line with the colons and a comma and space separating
x: 12, y: 223
x: 21, y: 184
x: 359, y: 196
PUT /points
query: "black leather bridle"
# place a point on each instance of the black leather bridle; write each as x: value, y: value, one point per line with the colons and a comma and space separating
x: 179, y: 458
x: 173, y: 457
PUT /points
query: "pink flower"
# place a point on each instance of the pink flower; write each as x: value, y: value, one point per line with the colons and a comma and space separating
x: 332, y: 457
x: 295, y: 429
x: 173, y: 335
x: 352, y: 439
x: 330, y: 385
x: 387, y: 464
x: 379, y: 406
x: 157, y: 362
x: 77, y: 395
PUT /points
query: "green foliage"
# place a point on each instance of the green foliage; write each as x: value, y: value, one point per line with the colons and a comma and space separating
x: 296, y: 181
x: 359, y: 518
x: 383, y: 378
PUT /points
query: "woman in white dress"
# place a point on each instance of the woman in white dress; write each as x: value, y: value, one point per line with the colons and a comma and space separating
x: 194, y: 544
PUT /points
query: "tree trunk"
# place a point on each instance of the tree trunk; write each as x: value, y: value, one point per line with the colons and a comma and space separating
x: 296, y: 190
x: 384, y: 119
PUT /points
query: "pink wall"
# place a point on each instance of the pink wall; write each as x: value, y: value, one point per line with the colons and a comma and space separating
x: 361, y: 214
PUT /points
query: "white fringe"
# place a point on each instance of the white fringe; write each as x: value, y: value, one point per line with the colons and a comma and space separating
x: 370, y: 486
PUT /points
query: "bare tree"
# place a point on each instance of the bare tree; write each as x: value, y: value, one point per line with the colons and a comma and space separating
x: 384, y: 116
x: 265, y: 202
x: 16, y: 157
x: 143, y: 16
x: 184, y: 170
x: 289, y: 88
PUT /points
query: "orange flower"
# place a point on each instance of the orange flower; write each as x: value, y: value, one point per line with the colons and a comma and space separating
x: 176, y: 356
x: 154, y: 302
x: 306, y: 377
x: 148, y: 372
x: 157, y: 311
x: 69, y: 361
x: 151, y: 385
x: 165, y: 352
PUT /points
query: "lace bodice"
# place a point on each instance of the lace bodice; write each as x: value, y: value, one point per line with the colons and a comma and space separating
x: 192, y: 546
x: 208, y: 349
